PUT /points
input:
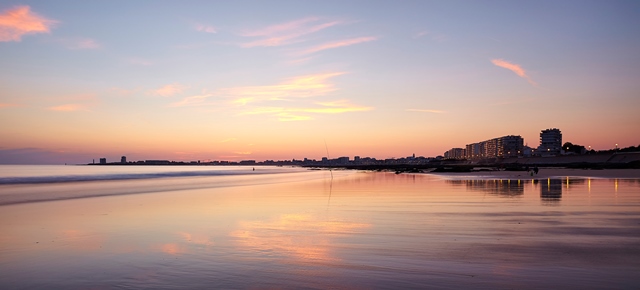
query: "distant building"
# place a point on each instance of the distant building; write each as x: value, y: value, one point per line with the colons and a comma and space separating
x: 247, y: 162
x: 157, y: 162
x: 342, y: 160
x: 103, y: 160
x: 510, y: 146
x: 501, y: 147
x: 455, y: 153
x: 123, y: 159
x: 550, y: 142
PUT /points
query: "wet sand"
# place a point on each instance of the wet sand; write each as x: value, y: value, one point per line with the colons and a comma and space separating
x: 360, y: 230
x: 543, y: 173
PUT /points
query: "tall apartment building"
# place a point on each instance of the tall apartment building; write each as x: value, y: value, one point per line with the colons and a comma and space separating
x: 455, y: 153
x: 550, y: 142
x: 505, y: 146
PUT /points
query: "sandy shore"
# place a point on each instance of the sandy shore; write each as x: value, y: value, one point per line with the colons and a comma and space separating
x: 543, y: 173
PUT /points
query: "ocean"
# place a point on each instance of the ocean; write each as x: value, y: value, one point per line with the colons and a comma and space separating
x: 226, y: 227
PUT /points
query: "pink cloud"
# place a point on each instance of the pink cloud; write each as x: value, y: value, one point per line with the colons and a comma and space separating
x: 169, y: 90
x: 198, y: 100
x: 6, y: 105
x: 298, y: 87
x: 68, y: 108
x: 18, y: 21
x: 85, y: 43
x: 286, y: 33
x: 340, y: 43
x: 288, y: 114
x: 206, y: 28
x: 514, y: 68
x: 280, y: 28
x: 426, y: 111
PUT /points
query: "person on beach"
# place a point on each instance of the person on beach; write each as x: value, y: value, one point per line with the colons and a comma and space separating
x: 535, y: 170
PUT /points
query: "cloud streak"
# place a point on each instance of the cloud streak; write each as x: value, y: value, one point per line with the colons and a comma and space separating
x: 85, y: 43
x: 6, y: 105
x: 243, y: 99
x: 286, y: 33
x: 19, y: 21
x: 193, y: 101
x: 514, y: 68
x: 301, y: 114
x: 339, y: 43
x: 206, y: 28
x: 294, y: 88
x: 169, y: 90
x: 68, y: 108
x: 426, y: 111
x: 297, y: 87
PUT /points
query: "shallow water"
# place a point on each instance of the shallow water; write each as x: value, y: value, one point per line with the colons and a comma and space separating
x: 302, y: 229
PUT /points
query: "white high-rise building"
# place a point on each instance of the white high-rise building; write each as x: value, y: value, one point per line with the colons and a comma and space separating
x: 550, y: 142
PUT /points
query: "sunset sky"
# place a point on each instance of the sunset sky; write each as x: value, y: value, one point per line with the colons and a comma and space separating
x: 236, y: 80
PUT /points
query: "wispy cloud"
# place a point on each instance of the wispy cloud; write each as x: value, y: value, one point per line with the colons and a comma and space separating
x: 514, y: 68
x: 426, y: 111
x: 122, y: 92
x: 83, y: 43
x: 286, y: 33
x: 288, y: 117
x: 243, y: 152
x: 420, y: 34
x: 18, y: 21
x: 297, y: 87
x: 68, y: 108
x: 169, y: 90
x: 243, y: 99
x: 339, y: 43
x: 512, y: 102
x: 193, y: 101
x: 74, y: 102
x: 299, y: 61
x: 437, y: 37
x: 281, y: 28
x: 206, y: 28
x: 300, y: 114
x: 6, y: 105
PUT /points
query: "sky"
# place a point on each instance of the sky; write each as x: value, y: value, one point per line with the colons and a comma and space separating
x: 262, y: 80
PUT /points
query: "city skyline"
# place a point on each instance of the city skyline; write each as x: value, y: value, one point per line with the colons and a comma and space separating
x: 277, y: 80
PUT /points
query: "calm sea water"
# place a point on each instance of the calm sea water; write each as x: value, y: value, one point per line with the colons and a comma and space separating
x: 77, y: 227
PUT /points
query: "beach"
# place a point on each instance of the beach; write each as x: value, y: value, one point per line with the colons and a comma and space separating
x: 296, y: 228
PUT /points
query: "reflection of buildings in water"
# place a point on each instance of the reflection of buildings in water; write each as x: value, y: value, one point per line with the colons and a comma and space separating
x: 551, y: 190
x: 505, y: 188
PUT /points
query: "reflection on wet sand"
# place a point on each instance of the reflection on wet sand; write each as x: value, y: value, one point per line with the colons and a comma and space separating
x: 299, y: 237
x: 378, y: 230
x: 551, y: 191
x: 505, y: 188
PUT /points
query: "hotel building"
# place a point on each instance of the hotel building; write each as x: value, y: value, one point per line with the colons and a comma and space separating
x: 501, y: 147
x: 550, y: 142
